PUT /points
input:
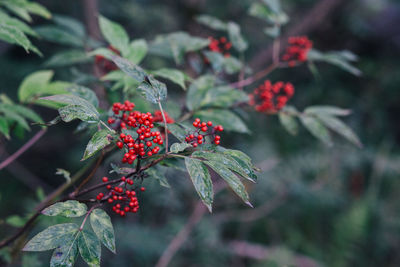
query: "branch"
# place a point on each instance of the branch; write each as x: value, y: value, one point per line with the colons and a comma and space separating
x: 23, y: 149
x: 165, y: 126
x: 259, y: 75
x: 90, y: 176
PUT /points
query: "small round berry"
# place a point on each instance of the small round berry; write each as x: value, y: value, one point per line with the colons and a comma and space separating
x: 104, y: 179
x: 142, y: 189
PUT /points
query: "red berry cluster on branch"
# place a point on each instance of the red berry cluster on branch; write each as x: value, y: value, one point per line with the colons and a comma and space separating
x: 204, y: 129
x: 297, y: 50
x: 105, y: 64
x: 220, y: 45
x: 159, y: 118
x: 141, y: 146
x: 270, y: 97
x: 123, y: 196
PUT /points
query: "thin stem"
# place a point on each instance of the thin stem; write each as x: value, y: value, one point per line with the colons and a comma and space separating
x: 87, y: 179
x: 255, y: 77
x: 165, y: 126
x: 108, y: 128
x: 276, y: 50
x: 24, y: 148
x: 87, y: 215
x: 90, y: 189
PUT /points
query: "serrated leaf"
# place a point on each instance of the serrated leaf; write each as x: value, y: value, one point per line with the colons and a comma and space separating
x: 339, y: 127
x: 66, y: 58
x: 59, y: 35
x: 178, y: 130
x: 232, y: 180
x: 316, y: 128
x: 130, y: 69
x: 72, y: 112
x: 201, y: 180
x: 85, y: 93
x: 14, y: 35
x: 212, y: 22
x: 289, y: 123
x: 198, y: 89
x: 175, y: 76
x: 103, y: 228
x: 136, y: 51
x: 157, y: 174
x: 114, y: 33
x: 225, y: 160
x: 86, y: 110
x: 153, y: 90
x: 236, y: 37
x: 98, y: 141
x: 52, y: 237
x: 327, y: 110
x: 229, y: 120
x: 69, y: 208
x: 89, y: 248
x: 33, y: 83
x: 65, y: 255
x: 179, y: 147
x: 244, y: 161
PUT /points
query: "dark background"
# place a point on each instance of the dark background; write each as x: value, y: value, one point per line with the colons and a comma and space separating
x: 314, y: 205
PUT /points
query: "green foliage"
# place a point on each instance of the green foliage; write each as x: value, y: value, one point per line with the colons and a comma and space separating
x: 102, y: 226
x: 69, y: 208
x: 341, y: 59
x: 98, y: 141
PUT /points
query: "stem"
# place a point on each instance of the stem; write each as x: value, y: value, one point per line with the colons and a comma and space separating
x: 90, y: 189
x: 255, y: 77
x: 87, y: 179
x: 87, y: 215
x: 165, y: 126
x: 275, y: 50
x: 24, y: 148
x: 108, y: 128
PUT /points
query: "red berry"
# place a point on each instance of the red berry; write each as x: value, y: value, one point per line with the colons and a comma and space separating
x: 105, y: 179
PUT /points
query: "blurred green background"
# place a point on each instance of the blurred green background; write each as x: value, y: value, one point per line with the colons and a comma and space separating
x: 313, y: 205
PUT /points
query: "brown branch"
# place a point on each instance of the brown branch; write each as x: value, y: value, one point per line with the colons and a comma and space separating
x: 259, y: 75
x: 90, y: 176
x: 23, y: 149
x: 197, y: 214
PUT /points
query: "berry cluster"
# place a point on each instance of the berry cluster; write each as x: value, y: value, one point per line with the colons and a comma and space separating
x: 123, y: 196
x: 203, y: 130
x: 159, y: 118
x: 271, y: 97
x: 297, y: 50
x: 105, y: 64
x: 141, y: 147
x: 220, y: 45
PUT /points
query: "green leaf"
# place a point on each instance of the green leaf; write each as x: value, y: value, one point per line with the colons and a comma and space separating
x: 220, y: 63
x: 85, y: 93
x: 229, y: 120
x: 14, y: 35
x: 33, y: 83
x: 175, y: 76
x: 159, y: 175
x: 14, y: 116
x: 66, y: 58
x: 178, y: 130
x: 89, y: 248
x: 59, y: 35
x: 103, y: 228
x: 65, y: 255
x: 225, y: 160
x: 223, y: 97
x: 37, y: 9
x: 340, y: 59
x: 73, y: 25
x: 10, y: 21
x: 236, y: 37
x: 197, y: 91
x: 52, y: 237
x: 244, y: 161
x: 179, y: 147
x: 80, y: 108
x: 212, y: 22
x: 4, y: 127
x: 130, y: 69
x: 136, y: 51
x: 114, y: 33
x: 201, y: 180
x: 327, y: 110
x: 69, y: 208
x: 289, y: 123
x: 99, y: 141
x: 339, y: 127
x: 105, y: 52
x: 72, y: 112
x: 232, y: 180
x: 153, y: 90
x: 15, y: 221
x: 316, y: 128
x: 268, y: 12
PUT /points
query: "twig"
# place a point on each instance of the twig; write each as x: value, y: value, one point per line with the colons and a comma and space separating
x: 87, y: 215
x: 24, y: 148
x: 90, y: 176
x: 259, y: 75
x: 184, y: 233
x: 165, y: 126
